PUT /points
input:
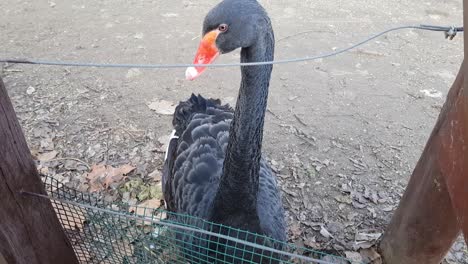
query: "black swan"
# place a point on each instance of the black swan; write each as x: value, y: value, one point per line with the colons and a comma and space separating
x: 213, y: 168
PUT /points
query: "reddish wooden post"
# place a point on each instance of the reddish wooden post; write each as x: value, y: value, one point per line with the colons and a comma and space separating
x: 30, y: 231
x: 434, y: 207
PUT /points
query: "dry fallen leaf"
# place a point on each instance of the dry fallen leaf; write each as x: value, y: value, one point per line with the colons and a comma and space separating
x: 164, y: 141
x: 47, y: 156
x: 311, y: 242
x: 367, y: 236
x: 295, y: 231
x: 125, y: 169
x: 162, y: 107
x: 155, y: 175
x: 334, y: 259
x: 324, y: 232
x: 354, y: 257
x: 371, y: 256
x: 43, y: 170
x: 35, y: 153
x: 96, y: 171
x: 346, y: 199
x: 146, y: 207
x: 132, y: 73
x: 365, y: 240
x: 101, y: 176
x: 363, y: 245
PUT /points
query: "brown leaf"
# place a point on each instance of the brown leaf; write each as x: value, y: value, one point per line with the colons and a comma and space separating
x: 371, y: 256
x: 146, y: 207
x: 96, y: 171
x: 35, y: 153
x: 125, y: 169
x: 101, y: 176
x: 47, y: 156
x: 112, y: 175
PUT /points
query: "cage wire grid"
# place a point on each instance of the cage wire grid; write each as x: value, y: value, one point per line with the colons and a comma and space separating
x: 102, y: 232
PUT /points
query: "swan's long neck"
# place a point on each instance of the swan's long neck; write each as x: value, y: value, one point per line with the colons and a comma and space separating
x: 237, y: 194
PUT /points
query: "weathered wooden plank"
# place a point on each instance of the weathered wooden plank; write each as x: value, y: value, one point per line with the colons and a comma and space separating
x: 453, y: 154
x: 434, y: 208
x: 435, y: 204
x: 458, y: 179
x: 30, y: 231
x: 425, y: 224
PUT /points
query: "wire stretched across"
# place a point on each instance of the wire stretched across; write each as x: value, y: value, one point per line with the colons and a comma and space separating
x: 450, y: 31
x: 186, y: 228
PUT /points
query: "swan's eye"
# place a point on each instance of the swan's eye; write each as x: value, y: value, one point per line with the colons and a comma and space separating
x: 223, y: 27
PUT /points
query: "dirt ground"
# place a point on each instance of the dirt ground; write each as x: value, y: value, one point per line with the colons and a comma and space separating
x: 343, y: 133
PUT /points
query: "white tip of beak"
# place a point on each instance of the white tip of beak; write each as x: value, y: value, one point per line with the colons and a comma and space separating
x: 191, y: 73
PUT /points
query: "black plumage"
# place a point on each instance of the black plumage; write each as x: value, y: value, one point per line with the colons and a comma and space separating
x: 214, y: 169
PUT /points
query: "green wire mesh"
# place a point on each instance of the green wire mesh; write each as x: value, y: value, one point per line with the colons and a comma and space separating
x: 103, y: 232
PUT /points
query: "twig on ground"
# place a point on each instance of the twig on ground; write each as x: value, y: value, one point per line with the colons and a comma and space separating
x: 74, y: 159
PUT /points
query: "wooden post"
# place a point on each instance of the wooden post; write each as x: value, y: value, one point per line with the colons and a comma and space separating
x: 30, y: 231
x: 434, y: 208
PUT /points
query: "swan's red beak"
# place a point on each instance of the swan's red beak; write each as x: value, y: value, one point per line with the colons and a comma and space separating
x: 206, y: 54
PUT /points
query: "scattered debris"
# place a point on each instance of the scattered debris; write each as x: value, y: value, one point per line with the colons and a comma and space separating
x: 162, y: 107
x: 365, y: 240
x: 334, y: 259
x: 324, y: 232
x: 431, y: 93
x: 300, y: 120
x: 132, y: 73
x: 138, y: 35
x: 47, y: 156
x: 354, y: 257
x: 170, y: 15
x: 319, y: 164
x: 295, y: 231
x: 30, y: 90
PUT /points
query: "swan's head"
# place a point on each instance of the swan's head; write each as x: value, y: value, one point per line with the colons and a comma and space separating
x: 230, y: 25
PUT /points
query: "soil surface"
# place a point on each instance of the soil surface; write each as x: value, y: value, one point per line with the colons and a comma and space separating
x: 342, y: 133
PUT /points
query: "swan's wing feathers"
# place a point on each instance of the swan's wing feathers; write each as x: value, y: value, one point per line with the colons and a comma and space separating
x: 197, y: 170
x: 194, y: 169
